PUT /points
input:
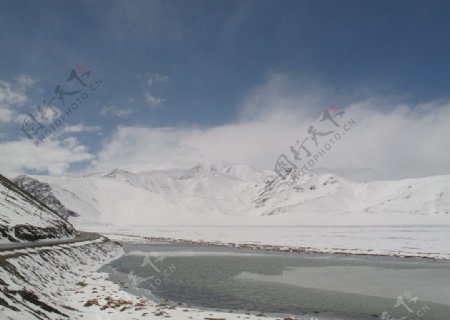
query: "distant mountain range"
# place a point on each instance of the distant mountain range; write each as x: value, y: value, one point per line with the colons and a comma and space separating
x: 221, y: 193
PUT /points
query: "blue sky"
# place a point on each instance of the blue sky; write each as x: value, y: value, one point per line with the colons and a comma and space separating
x: 197, y: 63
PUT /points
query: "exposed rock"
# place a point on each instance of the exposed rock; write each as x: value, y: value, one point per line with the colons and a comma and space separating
x: 43, y: 192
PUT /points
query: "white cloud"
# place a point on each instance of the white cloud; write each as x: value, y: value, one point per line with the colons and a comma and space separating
x: 11, y: 97
x: 80, y: 128
x: 25, y: 80
x: 116, y: 111
x: 52, y: 156
x: 153, y: 102
x: 157, y: 78
x: 145, y: 149
x: 395, y: 140
x: 47, y: 113
x: 6, y: 114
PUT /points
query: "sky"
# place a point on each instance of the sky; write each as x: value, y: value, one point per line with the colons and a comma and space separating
x: 176, y: 83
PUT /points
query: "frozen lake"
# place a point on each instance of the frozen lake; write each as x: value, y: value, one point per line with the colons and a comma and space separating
x: 324, y: 286
x: 429, y: 241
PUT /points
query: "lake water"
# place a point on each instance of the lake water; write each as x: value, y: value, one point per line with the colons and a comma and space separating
x: 309, y: 285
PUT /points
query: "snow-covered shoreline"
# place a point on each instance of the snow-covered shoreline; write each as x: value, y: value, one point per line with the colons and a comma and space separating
x: 63, y: 282
x: 412, y: 241
x: 189, y: 247
x: 39, y: 283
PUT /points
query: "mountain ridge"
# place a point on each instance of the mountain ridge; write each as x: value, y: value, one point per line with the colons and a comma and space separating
x: 225, y: 193
x: 23, y: 217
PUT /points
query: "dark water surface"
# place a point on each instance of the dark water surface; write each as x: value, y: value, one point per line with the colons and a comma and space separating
x: 321, y: 286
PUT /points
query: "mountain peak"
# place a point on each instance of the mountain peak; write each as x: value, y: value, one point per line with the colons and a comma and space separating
x: 116, y: 172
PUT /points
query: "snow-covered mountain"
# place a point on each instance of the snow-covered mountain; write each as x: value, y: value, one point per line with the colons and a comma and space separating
x: 43, y: 192
x: 221, y: 193
x: 23, y: 217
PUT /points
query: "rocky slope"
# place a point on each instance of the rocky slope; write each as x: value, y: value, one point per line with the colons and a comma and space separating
x: 25, y: 218
x: 41, y: 283
x: 43, y: 192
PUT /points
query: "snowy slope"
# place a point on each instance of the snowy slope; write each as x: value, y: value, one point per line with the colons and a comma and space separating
x: 170, y: 196
x: 43, y: 192
x: 330, y: 193
x: 61, y: 282
x: 225, y: 194
x: 23, y: 217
